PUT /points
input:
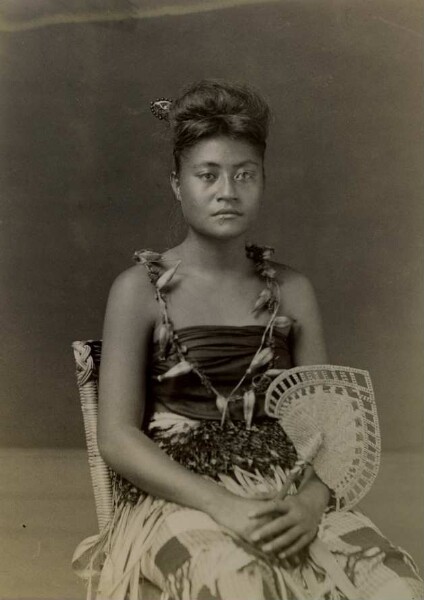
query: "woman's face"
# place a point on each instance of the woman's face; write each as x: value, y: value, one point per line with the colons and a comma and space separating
x: 220, y: 186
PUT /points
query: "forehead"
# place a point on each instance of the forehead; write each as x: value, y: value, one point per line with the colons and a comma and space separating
x: 222, y: 151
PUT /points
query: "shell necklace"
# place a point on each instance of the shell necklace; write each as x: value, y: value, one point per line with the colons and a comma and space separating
x: 169, y: 343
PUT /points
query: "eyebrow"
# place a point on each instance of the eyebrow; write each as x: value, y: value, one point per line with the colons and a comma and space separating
x: 214, y: 164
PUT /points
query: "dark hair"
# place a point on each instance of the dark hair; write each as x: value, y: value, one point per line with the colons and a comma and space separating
x: 210, y: 107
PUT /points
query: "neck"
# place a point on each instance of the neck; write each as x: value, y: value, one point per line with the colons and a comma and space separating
x: 215, y: 255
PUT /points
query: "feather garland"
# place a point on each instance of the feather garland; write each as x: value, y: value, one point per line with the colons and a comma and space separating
x: 263, y: 299
x: 249, y: 400
x: 180, y: 368
x: 259, y: 360
x: 166, y: 277
x: 147, y: 256
x: 165, y: 337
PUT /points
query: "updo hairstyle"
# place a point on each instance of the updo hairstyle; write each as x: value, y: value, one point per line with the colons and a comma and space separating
x: 213, y: 108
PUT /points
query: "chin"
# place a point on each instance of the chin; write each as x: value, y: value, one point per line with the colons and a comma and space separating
x: 226, y: 232
x: 221, y: 231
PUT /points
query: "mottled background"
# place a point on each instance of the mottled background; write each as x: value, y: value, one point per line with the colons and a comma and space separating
x: 84, y: 179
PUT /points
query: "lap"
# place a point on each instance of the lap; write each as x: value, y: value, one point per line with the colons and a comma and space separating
x: 370, y: 560
x: 192, y: 556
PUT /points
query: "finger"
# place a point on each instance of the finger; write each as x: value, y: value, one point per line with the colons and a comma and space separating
x: 294, y: 561
x: 288, y: 563
x: 281, y: 542
x: 296, y: 547
x: 273, y: 528
x: 277, y: 505
x: 268, y: 507
x: 303, y: 554
x: 285, y: 563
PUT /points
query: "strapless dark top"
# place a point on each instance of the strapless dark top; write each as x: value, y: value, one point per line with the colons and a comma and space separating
x: 223, y: 353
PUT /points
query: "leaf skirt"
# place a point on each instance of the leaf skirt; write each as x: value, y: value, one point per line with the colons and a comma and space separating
x: 187, y: 555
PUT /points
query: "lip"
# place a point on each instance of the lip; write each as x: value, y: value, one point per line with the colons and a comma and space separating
x: 227, y: 211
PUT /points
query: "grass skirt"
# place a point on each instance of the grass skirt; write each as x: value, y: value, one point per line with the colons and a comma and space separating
x: 188, y: 556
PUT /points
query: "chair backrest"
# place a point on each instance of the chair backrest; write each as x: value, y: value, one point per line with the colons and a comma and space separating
x: 87, y: 358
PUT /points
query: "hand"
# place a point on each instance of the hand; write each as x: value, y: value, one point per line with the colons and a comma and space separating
x: 293, y: 526
x: 236, y: 513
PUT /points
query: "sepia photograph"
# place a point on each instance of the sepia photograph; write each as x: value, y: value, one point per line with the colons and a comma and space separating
x: 212, y: 341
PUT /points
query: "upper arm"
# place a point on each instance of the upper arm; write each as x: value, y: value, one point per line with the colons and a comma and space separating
x: 129, y: 320
x: 300, y: 302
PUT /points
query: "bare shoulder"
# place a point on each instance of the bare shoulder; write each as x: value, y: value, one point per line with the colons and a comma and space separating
x: 296, y: 289
x: 133, y: 292
x: 291, y: 278
x: 133, y: 279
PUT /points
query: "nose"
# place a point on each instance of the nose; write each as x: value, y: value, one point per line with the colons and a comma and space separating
x: 227, y: 190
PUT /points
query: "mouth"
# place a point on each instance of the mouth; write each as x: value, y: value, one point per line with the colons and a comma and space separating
x: 227, y: 212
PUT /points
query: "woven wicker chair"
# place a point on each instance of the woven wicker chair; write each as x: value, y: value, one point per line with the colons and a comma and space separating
x: 87, y: 357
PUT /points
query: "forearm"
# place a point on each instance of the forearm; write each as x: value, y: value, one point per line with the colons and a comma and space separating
x: 137, y: 458
x: 314, y: 490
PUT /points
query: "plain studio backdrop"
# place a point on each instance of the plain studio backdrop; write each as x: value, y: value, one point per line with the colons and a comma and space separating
x: 84, y: 179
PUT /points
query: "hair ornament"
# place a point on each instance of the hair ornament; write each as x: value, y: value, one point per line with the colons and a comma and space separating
x: 160, y: 108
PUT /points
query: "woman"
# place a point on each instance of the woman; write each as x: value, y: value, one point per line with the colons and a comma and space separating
x: 189, y: 338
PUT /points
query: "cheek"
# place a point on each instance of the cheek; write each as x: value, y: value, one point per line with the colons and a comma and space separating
x: 254, y: 211
x: 191, y: 190
x: 190, y: 198
x: 195, y: 198
x: 192, y: 209
x: 256, y: 197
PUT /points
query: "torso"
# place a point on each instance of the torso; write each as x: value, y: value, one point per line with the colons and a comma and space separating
x: 195, y: 302
x: 215, y: 316
x: 223, y: 353
x: 198, y: 299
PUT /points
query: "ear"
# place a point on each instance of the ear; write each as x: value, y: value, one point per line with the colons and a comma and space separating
x: 175, y: 184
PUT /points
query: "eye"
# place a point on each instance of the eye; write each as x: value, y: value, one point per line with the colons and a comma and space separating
x: 245, y: 176
x: 207, y: 176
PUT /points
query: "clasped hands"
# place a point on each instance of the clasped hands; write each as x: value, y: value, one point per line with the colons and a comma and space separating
x: 285, y: 527
x: 281, y: 528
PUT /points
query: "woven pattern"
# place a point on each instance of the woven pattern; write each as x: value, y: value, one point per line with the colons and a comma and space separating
x: 87, y: 358
x: 338, y: 402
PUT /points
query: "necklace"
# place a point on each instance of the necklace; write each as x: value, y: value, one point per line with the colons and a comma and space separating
x: 268, y: 299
